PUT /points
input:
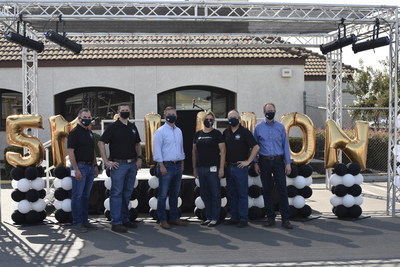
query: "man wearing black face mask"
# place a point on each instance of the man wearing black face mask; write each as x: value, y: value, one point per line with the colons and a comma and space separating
x: 82, y: 156
x: 125, y: 160
x: 241, y: 149
x: 273, y: 164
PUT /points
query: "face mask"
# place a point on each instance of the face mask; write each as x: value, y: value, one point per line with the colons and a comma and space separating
x: 171, y: 119
x: 86, y: 122
x: 270, y: 115
x: 208, y: 123
x: 124, y: 114
x: 233, y: 122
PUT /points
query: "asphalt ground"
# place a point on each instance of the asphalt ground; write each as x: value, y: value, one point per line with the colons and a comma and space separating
x: 324, y: 240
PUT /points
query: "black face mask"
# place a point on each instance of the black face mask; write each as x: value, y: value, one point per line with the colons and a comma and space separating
x: 124, y: 114
x: 208, y: 123
x: 270, y: 115
x: 171, y: 119
x: 233, y: 122
x: 86, y: 122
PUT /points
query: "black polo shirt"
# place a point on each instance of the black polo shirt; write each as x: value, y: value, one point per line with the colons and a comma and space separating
x: 238, y: 144
x: 122, y: 139
x: 207, y: 145
x: 81, y: 140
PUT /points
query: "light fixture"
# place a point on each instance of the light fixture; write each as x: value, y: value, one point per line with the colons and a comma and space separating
x: 340, y: 42
x: 23, y: 40
x: 62, y: 40
x: 374, y: 43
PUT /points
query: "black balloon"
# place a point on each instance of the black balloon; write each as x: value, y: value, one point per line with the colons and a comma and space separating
x: 32, y: 195
x: 292, y: 191
x: 341, y: 211
x: 223, y: 213
x: 18, y: 217
x: 305, y: 211
x: 134, y: 194
x: 354, y: 211
x: 17, y: 173
x: 224, y: 193
x: 340, y: 190
x: 333, y: 189
x: 254, y: 191
x: 107, y: 193
x: 353, y: 168
x: 42, y: 215
x: 197, y: 212
x: 63, y: 217
x: 152, y: 170
x: 295, y: 171
x: 196, y: 191
x: 305, y: 192
x: 305, y: 170
x: 107, y: 215
x: 32, y: 217
x: 40, y: 171
x: 17, y: 195
x: 60, y: 194
x: 340, y: 169
x: 31, y: 173
x: 61, y: 172
x: 108, y: 172
x: 255, y: 213
x: 42, y: 193
x: 355, y: 190
x: 293, y: 211
x: 133, y: 214
x: 252, y: 171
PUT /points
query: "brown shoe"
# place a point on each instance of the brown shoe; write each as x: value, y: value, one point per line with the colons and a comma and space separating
x: 269, y: 223
x: 178, y: 222
x: 287, y: 225
x: 165, y: 225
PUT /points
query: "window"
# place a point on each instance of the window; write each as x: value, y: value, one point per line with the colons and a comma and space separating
x: 11, y: 103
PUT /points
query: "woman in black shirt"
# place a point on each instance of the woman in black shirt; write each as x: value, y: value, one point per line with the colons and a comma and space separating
x: 208, y: 164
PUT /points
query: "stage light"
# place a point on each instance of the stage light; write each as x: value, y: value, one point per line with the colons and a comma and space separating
x: 24, y: 41
x: 370, y: 44
x: 64, y: 42
x: 340, y: 42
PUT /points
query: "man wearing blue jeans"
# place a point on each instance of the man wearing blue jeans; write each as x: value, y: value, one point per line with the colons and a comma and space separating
x: 169, y: 155
x: 125, y: 159
x: 241, y: 149
x: 82, y: 156
x: 273, y: 164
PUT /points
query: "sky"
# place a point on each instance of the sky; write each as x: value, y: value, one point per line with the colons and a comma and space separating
x: 369, y: 57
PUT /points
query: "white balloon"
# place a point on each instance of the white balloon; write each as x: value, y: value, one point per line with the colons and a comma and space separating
x: 358, y: 200
x: 14, y: 184
x: 222, y: 182
x: 39, y: 205
x: 224, y: 201
x: 299, y: 182
x: 134, y: 203
x: 309, y: 181
x: 129, y: 205
x: 336, y: 179
x: 66, y: 205
x: 24, y: 206
x: 167, y: 204
x: 38, y: 184
x: 398, y: 158
x: 153, y: 182
x: 250, y: 202
x: 24, y: 185
x: 179, y: 202
x: 250, y: 181
x: 290, y: 200
x: 15, y: 205
x: 57, y: 183
x: 199, y: 203
x: 358, y: 179
x: 289, y: 181
x: 153, y: 203
x: 107, y: 183
x: 348, y: 180
x: 136, y: 183
x: 107, y: 203
x: 57, y: 204
x: 197, y: 182
x: 259, y: 202
x: 348, y: 201
x: 299, y: 202
x: 66, y: 183
x: 257, y: 181
x: 336, y: 201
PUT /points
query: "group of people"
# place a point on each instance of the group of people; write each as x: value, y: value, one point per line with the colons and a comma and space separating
x: 215, y: 155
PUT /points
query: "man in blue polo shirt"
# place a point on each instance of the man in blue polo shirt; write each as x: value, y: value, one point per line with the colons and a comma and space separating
x: 273, y: 164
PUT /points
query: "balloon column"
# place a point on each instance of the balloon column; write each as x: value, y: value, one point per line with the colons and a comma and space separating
x: 256, y: 199
x: 62, y: 194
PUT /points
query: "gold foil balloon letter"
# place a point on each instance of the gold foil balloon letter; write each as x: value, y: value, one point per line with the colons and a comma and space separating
x: 59, y: 129
x: 152, y: 122
x: 355, y: 149
x: 15, y: 125
x: 307, y: 152
x: 248, y: 120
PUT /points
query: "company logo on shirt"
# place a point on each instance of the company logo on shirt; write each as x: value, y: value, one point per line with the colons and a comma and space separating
x: 204, y: 137
x: 237, y: 137
x: 133, y: 131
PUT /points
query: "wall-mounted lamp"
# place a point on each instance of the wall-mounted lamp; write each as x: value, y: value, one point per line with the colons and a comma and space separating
x: 340, y: 42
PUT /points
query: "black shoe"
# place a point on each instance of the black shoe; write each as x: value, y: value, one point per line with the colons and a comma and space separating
x: 269, y: 223
x: 287, y: 225
x: 119, y: 228
x: 212, y: 224
x: 243, y: 224
x: 231, y: 222
x: 206, y: 222
x: 130, y: 224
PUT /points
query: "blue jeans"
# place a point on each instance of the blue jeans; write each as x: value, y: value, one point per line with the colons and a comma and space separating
x: 274, y: 171
x: 169, y: 185
x: 210, y: 192
x: 81, y: 193
x: 237, y: 187
x: 122, y: 185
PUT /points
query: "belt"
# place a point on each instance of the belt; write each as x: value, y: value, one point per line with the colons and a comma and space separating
x: 173, y: 162
x: 85, y: 162
x: 232, y: 163
x: 125, y: 160
x: 271, y: 157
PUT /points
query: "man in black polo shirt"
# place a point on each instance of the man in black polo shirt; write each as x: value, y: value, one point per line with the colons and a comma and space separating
x: 241, y: 149
x: 82, y: 156
x: 125, y: 159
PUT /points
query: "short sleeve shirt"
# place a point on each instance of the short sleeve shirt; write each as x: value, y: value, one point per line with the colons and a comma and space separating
x: 207, y: 145
x: 122, y: 140
x: 81, y: 140
x: 238, y: 143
